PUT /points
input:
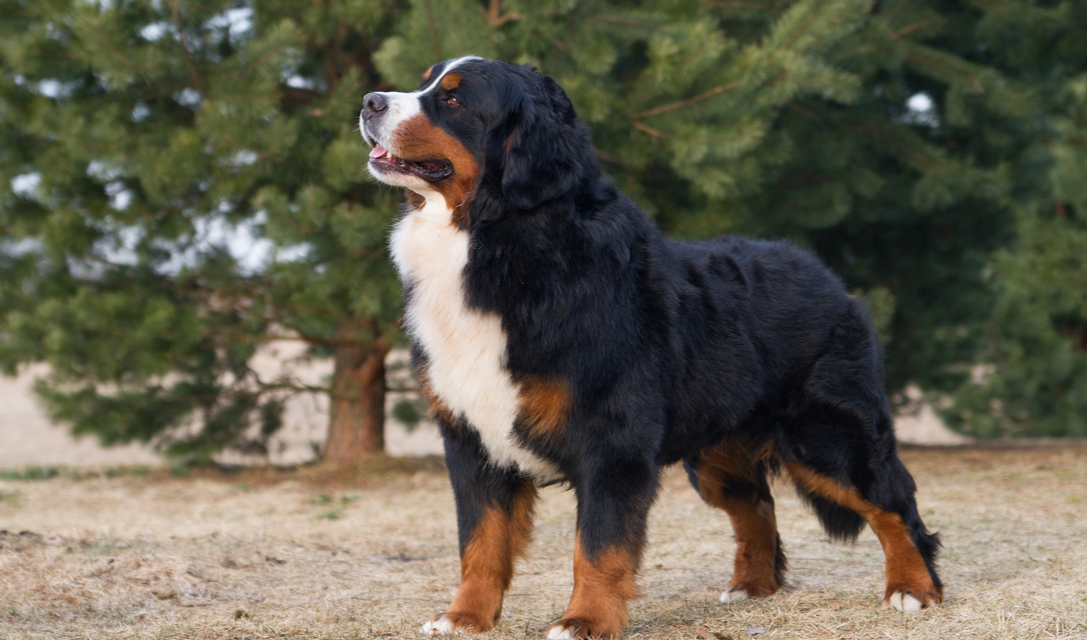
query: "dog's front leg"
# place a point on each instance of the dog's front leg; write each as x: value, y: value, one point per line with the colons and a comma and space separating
x: 614, y: 499
x: 494, y: 522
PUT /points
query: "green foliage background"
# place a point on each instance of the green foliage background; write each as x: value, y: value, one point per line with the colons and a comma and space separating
x: 931, y: 152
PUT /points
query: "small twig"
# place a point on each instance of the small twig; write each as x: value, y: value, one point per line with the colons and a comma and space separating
x: 608, y: 157
x: 912, y: 27
x: 684, y: 103
x: 495, y: 19
x: 808, y: 113
x: 193, y: 75
x: 650, y: 130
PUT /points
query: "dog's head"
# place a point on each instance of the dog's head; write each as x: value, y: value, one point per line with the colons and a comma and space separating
x: 478, y: 124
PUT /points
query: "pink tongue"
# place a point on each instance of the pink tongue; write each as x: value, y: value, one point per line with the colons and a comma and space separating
x: 378, y: 151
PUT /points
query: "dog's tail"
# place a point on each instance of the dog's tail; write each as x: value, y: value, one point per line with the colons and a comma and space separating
x: 840, y: 523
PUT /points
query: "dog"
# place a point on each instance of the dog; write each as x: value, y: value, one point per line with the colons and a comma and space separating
x: 558, y: 337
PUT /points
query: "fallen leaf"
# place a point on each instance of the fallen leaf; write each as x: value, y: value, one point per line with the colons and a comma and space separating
x: 754, y: 631
x: 834, y: 606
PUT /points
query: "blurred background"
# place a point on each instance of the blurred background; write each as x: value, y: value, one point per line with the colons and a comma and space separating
x: 193, y: 263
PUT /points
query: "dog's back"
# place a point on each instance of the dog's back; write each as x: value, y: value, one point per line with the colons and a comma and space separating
x: 752, y: 320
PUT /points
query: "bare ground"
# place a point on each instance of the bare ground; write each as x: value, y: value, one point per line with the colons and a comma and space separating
x: 310, y: 554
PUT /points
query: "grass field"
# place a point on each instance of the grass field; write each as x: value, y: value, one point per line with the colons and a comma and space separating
x: 310, y: 554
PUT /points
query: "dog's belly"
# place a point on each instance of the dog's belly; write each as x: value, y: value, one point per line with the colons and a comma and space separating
x: 466, y: 350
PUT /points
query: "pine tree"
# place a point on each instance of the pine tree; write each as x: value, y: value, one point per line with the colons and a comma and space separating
x: 140, y: 139
x: 1033, y: 382
x: 899, y: 140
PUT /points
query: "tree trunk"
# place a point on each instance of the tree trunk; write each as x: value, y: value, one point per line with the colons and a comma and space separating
x: 357, y: 402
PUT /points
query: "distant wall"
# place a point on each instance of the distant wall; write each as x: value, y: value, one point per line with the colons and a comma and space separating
x: 28, y: 438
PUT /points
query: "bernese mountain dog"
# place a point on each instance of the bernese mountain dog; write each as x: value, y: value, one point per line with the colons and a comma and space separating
x: 558, y: 337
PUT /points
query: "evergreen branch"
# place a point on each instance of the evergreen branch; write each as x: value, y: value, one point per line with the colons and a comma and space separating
x: 687, y: 102
x: 808, y: 113
x: 797, y: 33
x: 891, y: 16
x: 261, y: 155
x: 744, y: 5
x: 193, y: 75
x: 322, y: 342
x: 921, y: 60
x: 912, y: 27
x: 266, y: 387
x: 650, y: 130
x: 495, y: 19
x: 629, y: 22
x: 259, y: 62
x: 870, y: 132
x: 608, y: 157
x: 112, y: 49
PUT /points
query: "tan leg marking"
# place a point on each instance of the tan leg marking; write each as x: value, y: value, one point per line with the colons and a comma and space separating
x: 905, y: 570
x: 602, y: 587
x: 487, y: 566
x: 753, y: 522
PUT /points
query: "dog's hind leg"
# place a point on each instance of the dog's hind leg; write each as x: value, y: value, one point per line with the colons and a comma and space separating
x: 735, y: 480
x: 494, y: 523
x: 839, y: 448
x: 849, y: 473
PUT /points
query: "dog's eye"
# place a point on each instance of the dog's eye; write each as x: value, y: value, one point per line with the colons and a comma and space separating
x: 452, y: 101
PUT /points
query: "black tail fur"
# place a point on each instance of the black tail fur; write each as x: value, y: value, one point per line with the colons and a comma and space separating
x: 840, y: 523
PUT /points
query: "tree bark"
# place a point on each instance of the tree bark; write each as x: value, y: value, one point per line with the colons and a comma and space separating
x: 357, y: 403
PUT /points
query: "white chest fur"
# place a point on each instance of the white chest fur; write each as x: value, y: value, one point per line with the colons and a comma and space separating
x: 466, y: 350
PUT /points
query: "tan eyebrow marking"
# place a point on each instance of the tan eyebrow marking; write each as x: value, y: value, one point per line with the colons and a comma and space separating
x: 451, y: 81
x: 427, y: 73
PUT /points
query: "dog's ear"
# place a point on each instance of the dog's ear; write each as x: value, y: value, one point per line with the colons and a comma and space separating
x: 544, y: 154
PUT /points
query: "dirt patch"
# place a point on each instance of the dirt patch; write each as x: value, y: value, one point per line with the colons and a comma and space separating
x: 311, y: 554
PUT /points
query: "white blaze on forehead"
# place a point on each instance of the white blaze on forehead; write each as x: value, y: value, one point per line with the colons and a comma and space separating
x: 449, y: 67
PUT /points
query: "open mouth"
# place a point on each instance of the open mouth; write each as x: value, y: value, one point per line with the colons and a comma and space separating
x: 429, y: 170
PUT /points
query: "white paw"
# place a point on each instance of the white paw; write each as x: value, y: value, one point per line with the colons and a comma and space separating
x: 733, y: 595
x: 560, y: 632
x: 442, y: 626
x: 903, y: 602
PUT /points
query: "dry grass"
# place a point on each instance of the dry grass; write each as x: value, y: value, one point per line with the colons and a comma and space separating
x: 282, y: 555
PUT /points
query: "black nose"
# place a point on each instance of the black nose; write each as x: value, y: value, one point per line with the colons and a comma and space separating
x: 373, y: 104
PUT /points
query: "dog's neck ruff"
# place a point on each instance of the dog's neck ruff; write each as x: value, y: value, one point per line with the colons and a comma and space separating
x: 465, y: 349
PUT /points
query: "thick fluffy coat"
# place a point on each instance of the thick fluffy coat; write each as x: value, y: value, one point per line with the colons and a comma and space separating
x: 559, y: 337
